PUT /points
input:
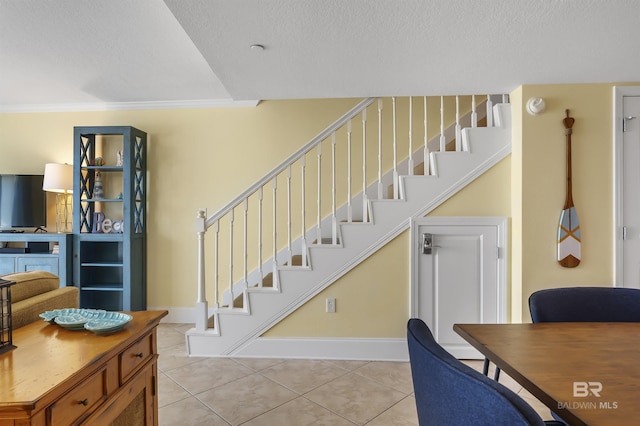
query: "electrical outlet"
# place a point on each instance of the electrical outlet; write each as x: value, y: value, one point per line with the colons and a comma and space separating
x: 331, y: 305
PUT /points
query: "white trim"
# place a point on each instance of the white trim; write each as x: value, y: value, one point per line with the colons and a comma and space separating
x: 619, y: 92
x: 179, y: 315
x: 499, y: 222
x: 370, y: 349
x: 124, y: 106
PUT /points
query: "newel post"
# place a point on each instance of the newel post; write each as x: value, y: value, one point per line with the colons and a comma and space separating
x: 202, y: 307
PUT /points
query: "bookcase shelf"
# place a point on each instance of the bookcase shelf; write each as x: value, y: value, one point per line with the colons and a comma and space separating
x: 109, y: 242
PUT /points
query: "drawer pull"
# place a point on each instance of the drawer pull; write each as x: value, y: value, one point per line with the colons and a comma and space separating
x: 139, y: 355
x: 84, y: 402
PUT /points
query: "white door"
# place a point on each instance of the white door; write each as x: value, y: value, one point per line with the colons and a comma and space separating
x: 461, y: 279
x: 627, y: 171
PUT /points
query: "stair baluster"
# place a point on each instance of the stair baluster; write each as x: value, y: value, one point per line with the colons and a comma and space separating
x: 289, y: 248
x: 274, y: 261
x: 380, y: 184
x: 231, y: 296
x: 474, y: 114
x: 319, y: 201
x: 245, y: 246
x: 443, y: 141
x: 365, y: 201
x: 489, y: 112
x: 260, y: 273
x: 395, y: 151
x: 349, y: 197
x: 303, y: 221
x: 458, y: 127
x: 410, y: 157
x: 334, y: 217
x: 425, y: 156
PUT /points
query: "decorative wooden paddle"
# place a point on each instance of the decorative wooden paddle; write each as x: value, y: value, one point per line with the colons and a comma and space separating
x: 568, y: 227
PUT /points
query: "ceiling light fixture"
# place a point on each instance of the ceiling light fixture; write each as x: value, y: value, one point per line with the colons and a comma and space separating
x: 256, y: 47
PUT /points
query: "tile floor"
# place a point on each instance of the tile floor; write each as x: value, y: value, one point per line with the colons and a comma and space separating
x: 244, y: 391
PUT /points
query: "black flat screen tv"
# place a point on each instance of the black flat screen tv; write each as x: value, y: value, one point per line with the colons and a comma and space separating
x: 23, y: 202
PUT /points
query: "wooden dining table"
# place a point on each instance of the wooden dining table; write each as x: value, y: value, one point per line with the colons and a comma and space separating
x: 587, y: 373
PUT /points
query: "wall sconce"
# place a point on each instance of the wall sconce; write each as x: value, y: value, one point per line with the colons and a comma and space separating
x: 58, y: 178
x: 536, y: 106
x: 6, y: 327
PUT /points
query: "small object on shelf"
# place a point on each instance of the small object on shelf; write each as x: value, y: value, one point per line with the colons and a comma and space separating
x: 119, y: 159
x: 99, y: 161
x: 104, y: 225
x: 98, y: 189
x: 6, y: 327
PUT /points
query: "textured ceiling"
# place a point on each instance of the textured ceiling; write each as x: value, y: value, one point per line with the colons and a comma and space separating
x: 95, y: 53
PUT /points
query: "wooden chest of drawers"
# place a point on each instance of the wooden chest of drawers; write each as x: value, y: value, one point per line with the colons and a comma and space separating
x: 62, y: 377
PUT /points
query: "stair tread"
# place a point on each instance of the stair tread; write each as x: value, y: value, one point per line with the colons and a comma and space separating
x: 326, y: 241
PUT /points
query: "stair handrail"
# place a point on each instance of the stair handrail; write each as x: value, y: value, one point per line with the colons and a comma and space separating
x: 290, y: 160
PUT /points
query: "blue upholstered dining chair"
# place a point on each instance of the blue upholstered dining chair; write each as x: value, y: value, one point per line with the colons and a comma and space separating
x: 449, y: 392
x: 585, y: 304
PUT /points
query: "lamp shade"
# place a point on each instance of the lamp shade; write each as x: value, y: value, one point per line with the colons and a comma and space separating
x: 58, y: 177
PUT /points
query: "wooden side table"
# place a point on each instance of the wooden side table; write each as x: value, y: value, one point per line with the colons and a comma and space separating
x: 57, y: 376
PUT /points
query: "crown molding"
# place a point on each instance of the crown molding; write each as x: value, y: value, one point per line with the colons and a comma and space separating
x: 123, y: 106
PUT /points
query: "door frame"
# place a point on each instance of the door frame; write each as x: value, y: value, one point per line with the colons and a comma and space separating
x: 500, y: 223
x: 619, y: 93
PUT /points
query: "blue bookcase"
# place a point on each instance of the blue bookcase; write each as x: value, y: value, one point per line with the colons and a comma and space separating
x: 109, y: 227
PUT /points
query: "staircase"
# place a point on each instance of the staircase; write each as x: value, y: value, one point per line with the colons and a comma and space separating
x: 260, y: 293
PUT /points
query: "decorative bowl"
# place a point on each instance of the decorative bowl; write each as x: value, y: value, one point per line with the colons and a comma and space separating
x: 96, y: 320
x: 50, y: 316
x: 72, y: 321
x: 108, y: 322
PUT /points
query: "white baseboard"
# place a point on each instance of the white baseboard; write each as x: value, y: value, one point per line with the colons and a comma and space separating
x: 179, y: 315
x: 369, y: 349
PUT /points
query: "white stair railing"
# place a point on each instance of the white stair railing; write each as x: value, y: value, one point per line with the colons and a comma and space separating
x: 335, y: 177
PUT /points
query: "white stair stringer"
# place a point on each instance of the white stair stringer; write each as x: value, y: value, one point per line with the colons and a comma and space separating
x: 235, y: 332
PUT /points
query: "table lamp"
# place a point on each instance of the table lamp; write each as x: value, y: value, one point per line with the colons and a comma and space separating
x: 58, y: 178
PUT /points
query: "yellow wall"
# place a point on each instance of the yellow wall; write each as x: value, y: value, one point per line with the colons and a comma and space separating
x: 543, y: 187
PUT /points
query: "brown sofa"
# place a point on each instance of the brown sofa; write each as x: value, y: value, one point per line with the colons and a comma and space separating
x: 36, y: 292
